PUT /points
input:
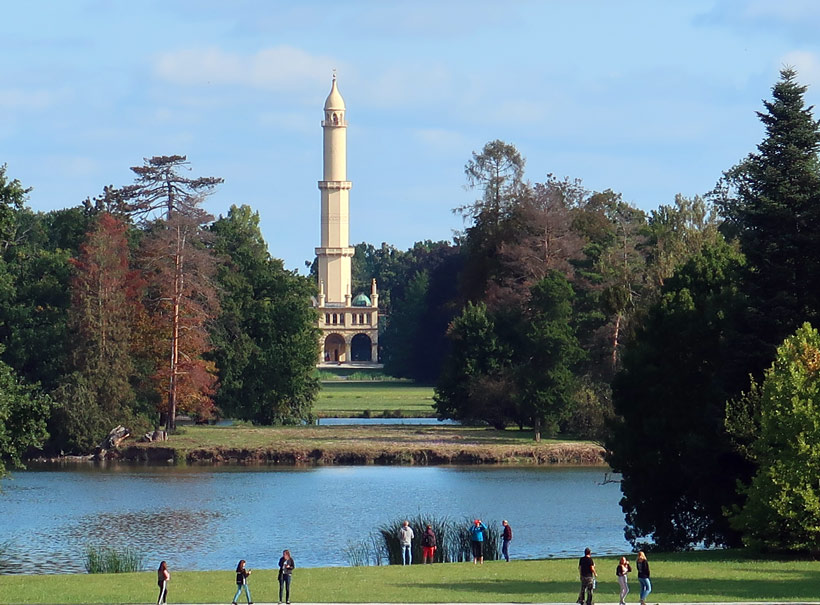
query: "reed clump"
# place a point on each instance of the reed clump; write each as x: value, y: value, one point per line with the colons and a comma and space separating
x: 452, y: 542
x: 111, y: 560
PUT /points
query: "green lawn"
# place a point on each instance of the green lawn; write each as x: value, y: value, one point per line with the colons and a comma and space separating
x: 352, y: 398
x: 684, y: 577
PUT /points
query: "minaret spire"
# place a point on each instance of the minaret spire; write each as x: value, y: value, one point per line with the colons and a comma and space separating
x: 335, y: 252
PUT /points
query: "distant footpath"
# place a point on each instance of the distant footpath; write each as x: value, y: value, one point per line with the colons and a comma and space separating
x: 344, y: 445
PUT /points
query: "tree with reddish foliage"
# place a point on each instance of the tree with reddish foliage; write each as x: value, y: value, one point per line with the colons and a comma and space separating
x: 182, y: 298
x: 105, y: 301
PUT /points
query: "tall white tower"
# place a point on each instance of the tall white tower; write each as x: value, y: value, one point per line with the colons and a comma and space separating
x: 349, y: 325
x: 335, y: 252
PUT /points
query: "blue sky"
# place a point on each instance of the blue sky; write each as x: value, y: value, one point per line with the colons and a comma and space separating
x: 647, y: 98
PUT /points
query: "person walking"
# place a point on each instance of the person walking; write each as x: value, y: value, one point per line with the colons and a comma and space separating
x: 428, y: 545
x: 163, y: 575
x: 242, y: 582
x: 506, y: 538
x: 477, y: 541
x: 286, y: 566
x: 643, y: 576
x: 586, y: 568
x: 406, y: 536
x: 621, y: 570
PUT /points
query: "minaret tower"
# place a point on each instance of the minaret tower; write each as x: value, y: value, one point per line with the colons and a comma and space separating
x: 349, y: 324
x: 335, y: 252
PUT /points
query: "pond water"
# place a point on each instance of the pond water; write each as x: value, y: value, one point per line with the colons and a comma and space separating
x: 372, y: 421
x: 205, y: 517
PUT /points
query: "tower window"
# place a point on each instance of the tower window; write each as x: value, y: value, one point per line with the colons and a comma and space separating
x: 335, y: 119
x: 335, y: 318
x: 327, y: 318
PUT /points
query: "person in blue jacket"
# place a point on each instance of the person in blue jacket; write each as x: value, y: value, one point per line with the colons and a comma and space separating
x: 477, y: 541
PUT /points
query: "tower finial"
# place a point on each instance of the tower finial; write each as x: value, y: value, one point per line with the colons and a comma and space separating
x: 334, y: 74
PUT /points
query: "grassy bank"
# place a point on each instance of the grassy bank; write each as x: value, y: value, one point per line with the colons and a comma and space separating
x: 376, y: 398
x: 383, y: 444
x: 684, y: 577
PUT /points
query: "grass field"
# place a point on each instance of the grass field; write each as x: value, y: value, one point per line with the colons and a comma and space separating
x: 379, y: 444
x: 685, y: 577
x: 345, y: 399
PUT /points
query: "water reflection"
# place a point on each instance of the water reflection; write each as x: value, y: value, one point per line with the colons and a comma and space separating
x: 210, y: 517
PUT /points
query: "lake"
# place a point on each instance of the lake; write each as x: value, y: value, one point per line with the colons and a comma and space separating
x: 207, y: 518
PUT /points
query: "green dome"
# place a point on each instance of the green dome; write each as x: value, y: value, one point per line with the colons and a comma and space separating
x: 362, y: 300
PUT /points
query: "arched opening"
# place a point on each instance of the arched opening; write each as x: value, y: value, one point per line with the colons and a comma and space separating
x: 360, y: 348
x: 335, y: 348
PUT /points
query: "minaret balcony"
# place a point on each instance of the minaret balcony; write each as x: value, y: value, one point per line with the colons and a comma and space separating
x: 335, y: 185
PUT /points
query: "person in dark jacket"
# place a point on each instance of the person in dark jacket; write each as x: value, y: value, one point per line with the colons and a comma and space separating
x: 163, y: 575
x: 506, y: 538
x: 643, y: 576
x: 286, y: 566
x: 428, y: 545
x: 586, y: 568
x: 242, y: 582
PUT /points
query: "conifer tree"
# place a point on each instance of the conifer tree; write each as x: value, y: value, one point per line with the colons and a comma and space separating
x: 771, y: 202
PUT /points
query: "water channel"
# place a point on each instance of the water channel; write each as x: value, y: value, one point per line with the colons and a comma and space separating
x: 204, y: 517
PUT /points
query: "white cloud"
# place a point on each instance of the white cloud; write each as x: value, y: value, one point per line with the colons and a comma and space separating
x: 282, y: 68
x: 806, y: 63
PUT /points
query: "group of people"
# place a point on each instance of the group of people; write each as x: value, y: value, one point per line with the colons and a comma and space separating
x: 589, y: 577
x: 428, y: 542
x: 286, y: 566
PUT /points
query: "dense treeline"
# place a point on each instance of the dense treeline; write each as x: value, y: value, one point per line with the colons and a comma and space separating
x: 573, y: 311
x: 137, y: 306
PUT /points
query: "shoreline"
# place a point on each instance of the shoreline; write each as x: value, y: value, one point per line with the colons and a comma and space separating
x: 581, y: 454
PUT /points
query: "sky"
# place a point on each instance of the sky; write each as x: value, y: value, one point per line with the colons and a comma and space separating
x: 649, y: 99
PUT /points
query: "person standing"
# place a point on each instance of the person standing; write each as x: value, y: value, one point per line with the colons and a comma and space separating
x: 406, y: 542
x: 428, y: 545
x: 242, y: 582
x: 623, y: 568
x: 477, y: 541
x: 163, y: 575
x: 643, y: 576
x: 286, y: 566
x: 586, y: 568
x: 506, y: 538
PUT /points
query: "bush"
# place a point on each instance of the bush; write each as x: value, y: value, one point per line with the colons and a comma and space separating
x: 110, y: 560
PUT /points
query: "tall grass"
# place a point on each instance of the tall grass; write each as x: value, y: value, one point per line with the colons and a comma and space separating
x: 452, y: 542
x: 110, y: 560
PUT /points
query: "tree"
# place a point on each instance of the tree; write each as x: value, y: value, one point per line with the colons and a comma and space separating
x: 498, y: 173
x: 180, y: 270
x: 183, y: 297
x: 266, y: 337
x: 159, y: 186
x: 782, y: 509
x: 771, y: 202
x: 23, y: 413
x: 674, y: 233
x: 549, y: 354
x: 476, y: 381
x: 106, y: 296
x: 669, y: 442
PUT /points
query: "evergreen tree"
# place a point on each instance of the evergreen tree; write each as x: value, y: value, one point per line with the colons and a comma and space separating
x: 771, y: 202
x: 678, y: 468
x: 547, y: 359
